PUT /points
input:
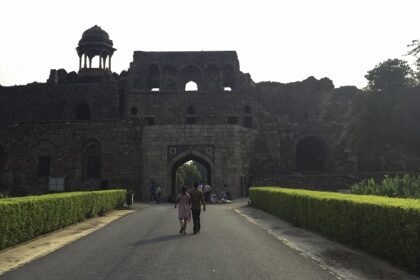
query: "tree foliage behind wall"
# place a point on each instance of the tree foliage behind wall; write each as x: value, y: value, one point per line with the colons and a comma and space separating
x: 385, y: 116
x: 187, y: 174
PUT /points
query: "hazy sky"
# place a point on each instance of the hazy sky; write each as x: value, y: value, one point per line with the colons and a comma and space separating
x: 282, y: 41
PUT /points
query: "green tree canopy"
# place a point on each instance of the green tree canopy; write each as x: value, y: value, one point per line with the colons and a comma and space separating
x: 389, y: 76
x: 415, y: 51
x: 187, y: 174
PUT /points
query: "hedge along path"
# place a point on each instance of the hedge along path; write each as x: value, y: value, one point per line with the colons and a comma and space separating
x: 25, y: 218
x: 388, y: 228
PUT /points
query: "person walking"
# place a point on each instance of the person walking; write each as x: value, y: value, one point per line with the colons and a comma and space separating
x: 197, y: 199
x: 158, y: 194
x: 184, y: 211
x: 152, y: 192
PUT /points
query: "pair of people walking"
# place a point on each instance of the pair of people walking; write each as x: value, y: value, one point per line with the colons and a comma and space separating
x: 190, y: 203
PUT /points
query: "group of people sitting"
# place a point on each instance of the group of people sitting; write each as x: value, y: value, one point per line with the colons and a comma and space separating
x: 222, y: 198
x: 213, y: 198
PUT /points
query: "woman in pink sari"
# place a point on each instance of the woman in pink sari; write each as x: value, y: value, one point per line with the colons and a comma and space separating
x: 184, y: 209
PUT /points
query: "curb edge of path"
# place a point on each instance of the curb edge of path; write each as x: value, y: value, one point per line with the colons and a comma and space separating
x: 346, y: 263
x: 26, y: 252
x: 287, y: 243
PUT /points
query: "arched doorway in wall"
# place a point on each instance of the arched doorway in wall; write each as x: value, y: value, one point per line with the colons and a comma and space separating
x: 2, y: 167
x: 190, y: 77
x: 187, y: 170
x: 191, y: 86
x: 91, y: 154
x: 82, y: 112
x: 311, y: 155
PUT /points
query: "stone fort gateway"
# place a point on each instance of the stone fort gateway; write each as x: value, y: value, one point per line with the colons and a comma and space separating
x: 97, y: 129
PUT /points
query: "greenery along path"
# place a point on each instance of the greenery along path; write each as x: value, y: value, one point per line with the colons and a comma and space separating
x: 146, y: 245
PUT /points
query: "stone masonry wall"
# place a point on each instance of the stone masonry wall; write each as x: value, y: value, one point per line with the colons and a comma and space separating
x: 45, y: 102
x: 120, y: 144
x: 209, y: 107
x: 221, y: 146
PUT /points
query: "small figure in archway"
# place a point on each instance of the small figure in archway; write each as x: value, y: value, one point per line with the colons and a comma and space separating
x: 207, y: 192
x: 158, y: 194
x: 184, y: 209
x: 152, y: 191
x: 197, y: 199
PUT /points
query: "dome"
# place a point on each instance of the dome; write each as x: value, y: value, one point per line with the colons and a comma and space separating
x: 95, y: 36
x: 95, y: 42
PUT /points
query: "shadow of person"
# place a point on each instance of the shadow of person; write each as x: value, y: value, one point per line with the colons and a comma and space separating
x: 159, y: 239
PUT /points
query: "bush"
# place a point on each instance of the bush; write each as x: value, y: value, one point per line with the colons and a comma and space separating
x: 386, y: 227
x: 405, y: 186
x: 27, y: 217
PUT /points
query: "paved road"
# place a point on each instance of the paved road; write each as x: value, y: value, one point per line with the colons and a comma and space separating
x: 147, y: 245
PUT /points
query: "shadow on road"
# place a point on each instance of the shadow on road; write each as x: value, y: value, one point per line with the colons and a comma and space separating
x: 160, y: 239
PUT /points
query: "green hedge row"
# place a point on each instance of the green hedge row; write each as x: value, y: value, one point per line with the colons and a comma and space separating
x: 386, y: 227
x: 24, y: 218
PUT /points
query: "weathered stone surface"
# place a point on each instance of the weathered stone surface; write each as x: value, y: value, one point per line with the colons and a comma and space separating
x: 118, y: 131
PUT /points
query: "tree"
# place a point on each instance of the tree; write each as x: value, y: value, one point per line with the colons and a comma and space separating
x: 188, y: 174
x: 415, y: 51
x: 390, y: 75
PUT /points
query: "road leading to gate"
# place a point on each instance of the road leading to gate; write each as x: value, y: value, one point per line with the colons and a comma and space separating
x: 147, y: 245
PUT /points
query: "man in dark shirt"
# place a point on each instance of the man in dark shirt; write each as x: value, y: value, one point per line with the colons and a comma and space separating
x: 197, y: 199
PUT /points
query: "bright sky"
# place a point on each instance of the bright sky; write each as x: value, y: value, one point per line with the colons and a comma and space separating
x: 279, y: 40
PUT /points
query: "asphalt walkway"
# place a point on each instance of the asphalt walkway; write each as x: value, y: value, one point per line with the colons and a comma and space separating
x: 236, y: 242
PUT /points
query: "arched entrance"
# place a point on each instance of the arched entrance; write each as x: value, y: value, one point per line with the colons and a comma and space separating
x: 179, y: 161
x: 311, y: 155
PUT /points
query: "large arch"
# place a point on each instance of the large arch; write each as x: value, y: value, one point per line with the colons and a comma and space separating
x: 170, y: 77
x: 191, y: 73
x: 183, y: 158
x: 82, y: 112
x: 2, y: 165
x: 228, y: 77
x: 2, y: 159
x: 153, y: 77
x: 43, y: 156
x: 92, y: 155
x: 311, y: 155
x: 213, y: 77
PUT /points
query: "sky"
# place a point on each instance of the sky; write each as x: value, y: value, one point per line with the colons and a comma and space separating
x: 282, y: 40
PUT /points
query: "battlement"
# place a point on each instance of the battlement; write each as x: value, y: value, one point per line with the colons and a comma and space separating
x: 180, y: 59
x: 171, y: 71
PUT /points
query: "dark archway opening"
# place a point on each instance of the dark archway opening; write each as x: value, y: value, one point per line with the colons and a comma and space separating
x: 82, y: 112
x: 188, y: 170
x: 228, y: 78
x: 92, y: 161
x: 2, y: 159
x: 191, y: 78
x: 170, y: 75
x: 153, y: 78
x: 212, y: 74
x: 311, y: 155
x: 2, y: 167
x: 44, y: 166
x: 134, y: 111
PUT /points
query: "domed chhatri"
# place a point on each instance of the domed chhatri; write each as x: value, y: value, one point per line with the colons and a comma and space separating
x: 95, y: 36
x: 95, y: 42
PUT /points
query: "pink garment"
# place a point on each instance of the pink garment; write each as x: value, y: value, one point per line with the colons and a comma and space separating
x: 184, y: 210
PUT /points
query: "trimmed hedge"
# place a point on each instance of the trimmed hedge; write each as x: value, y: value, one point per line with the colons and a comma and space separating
x: 24, y: 218
x: 388, y: 228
